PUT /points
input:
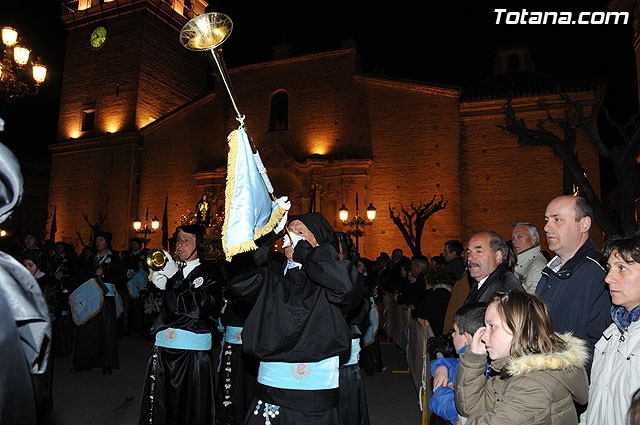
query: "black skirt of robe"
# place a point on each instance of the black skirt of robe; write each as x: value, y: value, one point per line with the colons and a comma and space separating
x: 353, y: 399
x: 371, y: 357
x: 242, y: 378
x: 62, y: 340
x: 296, y: 407
x: 96, y: 340
x: 183, y: 388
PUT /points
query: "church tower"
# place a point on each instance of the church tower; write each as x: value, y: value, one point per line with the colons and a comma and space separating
x: 124, y: 68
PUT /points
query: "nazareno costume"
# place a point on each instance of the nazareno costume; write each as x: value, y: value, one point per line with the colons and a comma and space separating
x: 52, y: 293
x: 353, y: 398
x: 179, y: 383
x: 237, y: 370
x: 96, y: 339
x: 25, y: 331
x: 297, y: 328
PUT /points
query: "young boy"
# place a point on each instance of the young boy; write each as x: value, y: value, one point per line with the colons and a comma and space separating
x: 467, y: 320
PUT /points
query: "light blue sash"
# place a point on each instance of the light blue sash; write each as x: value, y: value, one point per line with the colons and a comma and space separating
x: 322, y: 375
x: 233, y: 334
x: 355, y: 352
x: 374, y: 321
x: 111, y: 289
x: 183, y: 340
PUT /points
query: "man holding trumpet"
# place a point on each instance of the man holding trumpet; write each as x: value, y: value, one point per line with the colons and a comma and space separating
x: 180, y: 372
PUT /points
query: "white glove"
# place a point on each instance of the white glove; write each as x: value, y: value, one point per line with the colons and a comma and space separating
x: 160, y: 277
x: 287, y: 242
x: 285, y: 204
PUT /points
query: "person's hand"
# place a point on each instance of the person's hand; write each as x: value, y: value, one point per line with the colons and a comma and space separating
x: 440, y: 377
x: 302, y: 250
x: 99, y: 272
x: 284, y: 203
x: 395, y: 297
x: 477, y: 346
x: 159, y: 277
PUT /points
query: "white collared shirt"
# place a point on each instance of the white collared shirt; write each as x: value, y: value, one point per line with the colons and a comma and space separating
x: 190, y: 266
x: 555, y: 264
x: 480, y: 283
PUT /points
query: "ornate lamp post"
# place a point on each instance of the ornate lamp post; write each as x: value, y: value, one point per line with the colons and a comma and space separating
x: 357, y: 223
x: 15, y: 80
x: 146, y: 228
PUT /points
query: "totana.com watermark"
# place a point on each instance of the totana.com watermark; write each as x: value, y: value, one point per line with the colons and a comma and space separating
x: 524, y: 17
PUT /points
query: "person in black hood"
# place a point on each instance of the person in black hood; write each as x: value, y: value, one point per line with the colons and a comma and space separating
x: 353, y: 398
x: 297, y: 327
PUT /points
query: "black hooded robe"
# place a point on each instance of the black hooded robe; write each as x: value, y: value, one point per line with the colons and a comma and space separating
x: 298, y: 318
x: 179, y: 384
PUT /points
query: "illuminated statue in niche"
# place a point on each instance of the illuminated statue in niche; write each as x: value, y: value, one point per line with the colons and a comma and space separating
x: 203, y: 211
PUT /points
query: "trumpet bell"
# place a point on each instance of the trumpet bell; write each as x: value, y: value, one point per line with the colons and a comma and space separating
x: 156, y: 259
x: 206, y: 31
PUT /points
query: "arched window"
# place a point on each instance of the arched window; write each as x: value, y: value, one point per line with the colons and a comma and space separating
x: 513, y: 63
x: 279, y: 119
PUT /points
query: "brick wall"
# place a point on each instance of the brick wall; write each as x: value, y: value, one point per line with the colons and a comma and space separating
x: 414, y: 136
x: 422, y: 140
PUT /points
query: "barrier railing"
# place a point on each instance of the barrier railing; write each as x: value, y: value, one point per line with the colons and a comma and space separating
x: 411, y: 337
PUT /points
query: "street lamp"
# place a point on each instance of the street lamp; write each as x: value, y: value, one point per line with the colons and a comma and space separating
x: 357, y: 223
x: 146, y: 228
x: 14, y: 79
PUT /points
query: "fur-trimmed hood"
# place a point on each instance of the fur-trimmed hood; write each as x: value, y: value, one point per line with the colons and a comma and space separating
x: 574, y: 356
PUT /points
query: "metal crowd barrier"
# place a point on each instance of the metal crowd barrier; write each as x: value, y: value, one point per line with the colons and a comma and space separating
x: 411, y: 337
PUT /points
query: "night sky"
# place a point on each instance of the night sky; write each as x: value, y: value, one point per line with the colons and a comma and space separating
x: 450, y: 43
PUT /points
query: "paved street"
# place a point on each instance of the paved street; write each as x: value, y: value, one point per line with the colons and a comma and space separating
x: 91, y: 398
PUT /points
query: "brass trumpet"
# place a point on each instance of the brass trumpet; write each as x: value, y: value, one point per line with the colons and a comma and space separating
x: 156, y: 260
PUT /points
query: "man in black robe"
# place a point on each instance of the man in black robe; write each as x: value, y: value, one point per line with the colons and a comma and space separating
x: 297, y: 328
x: 179, y: 383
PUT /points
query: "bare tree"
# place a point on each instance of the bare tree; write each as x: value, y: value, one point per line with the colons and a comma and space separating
x: 411, y: 223
x: 95, y: 227
x: 622, y: 155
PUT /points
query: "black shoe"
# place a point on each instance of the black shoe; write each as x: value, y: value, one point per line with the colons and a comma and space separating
x: 107, y: 371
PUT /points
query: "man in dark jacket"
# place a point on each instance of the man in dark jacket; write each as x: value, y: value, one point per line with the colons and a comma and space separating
x: 488, y: 260
x: 572, y: 285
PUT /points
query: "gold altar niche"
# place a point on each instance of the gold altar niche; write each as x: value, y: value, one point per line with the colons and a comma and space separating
x: 211, y: 221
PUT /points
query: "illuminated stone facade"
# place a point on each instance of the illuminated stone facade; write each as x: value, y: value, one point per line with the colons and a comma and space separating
x: 162, y: 133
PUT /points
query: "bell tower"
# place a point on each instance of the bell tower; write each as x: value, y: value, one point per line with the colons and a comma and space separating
x: 124, y: 68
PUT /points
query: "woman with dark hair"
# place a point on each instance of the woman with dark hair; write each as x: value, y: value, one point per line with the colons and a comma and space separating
x: 52, y: 293
x: 370, y: 355
x: 615, y: 374
x: 96, y: 342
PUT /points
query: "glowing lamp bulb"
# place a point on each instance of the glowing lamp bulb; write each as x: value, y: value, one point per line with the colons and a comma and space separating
x: 9, y: 36
x: 39, y: 73
x: 343, y: 213
x: 21, y: 55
